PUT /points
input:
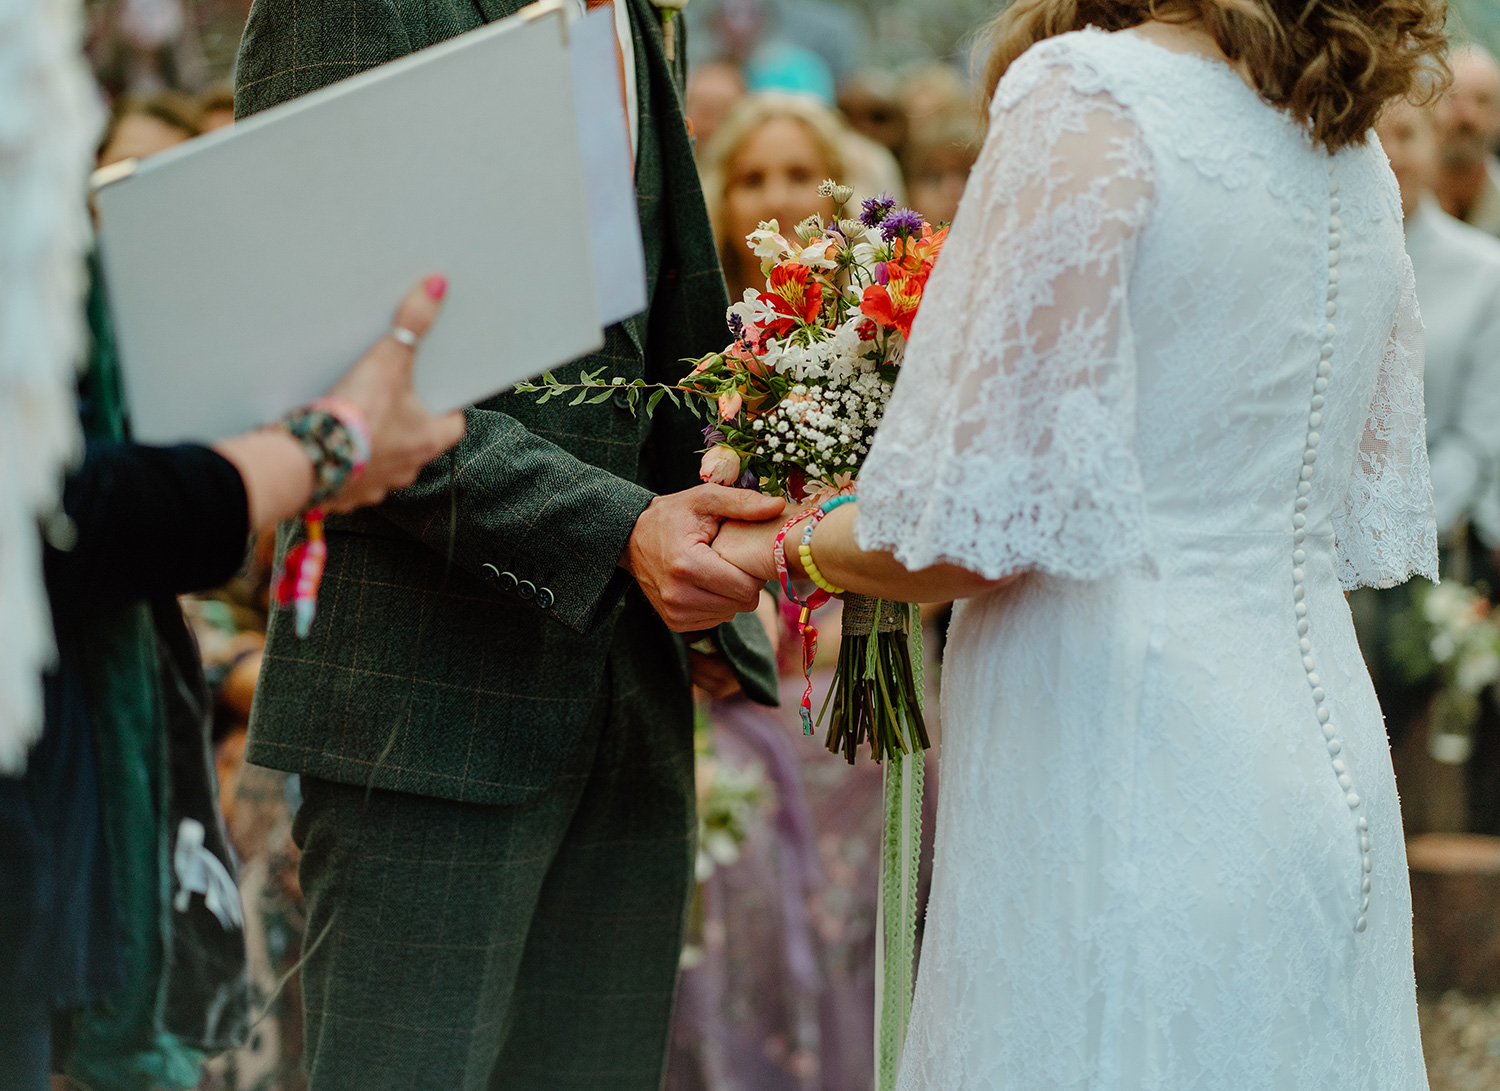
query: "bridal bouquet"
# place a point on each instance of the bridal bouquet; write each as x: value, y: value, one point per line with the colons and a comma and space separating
x: 1450, y: 632
x: 793, y: 402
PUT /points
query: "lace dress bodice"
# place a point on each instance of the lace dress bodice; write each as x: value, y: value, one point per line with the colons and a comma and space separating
x: 1120, y: 336
x: 1169, y: 371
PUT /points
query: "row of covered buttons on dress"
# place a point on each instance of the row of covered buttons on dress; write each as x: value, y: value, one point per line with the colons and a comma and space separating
x: 525, y: 590
x: 1299, y: 555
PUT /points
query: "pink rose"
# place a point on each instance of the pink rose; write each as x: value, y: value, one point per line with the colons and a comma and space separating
x: 729, y: 404
x: 721, y: 465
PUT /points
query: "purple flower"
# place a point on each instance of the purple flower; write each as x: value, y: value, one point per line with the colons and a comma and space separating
x: 737, y: 327
x: 712, y: 436
x: 748, y: 480
x: 876, y: 209
x: 903, y: 222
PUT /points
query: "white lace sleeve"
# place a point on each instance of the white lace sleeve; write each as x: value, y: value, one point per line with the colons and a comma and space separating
x: 1009, y: 440
x: 1385, y: 527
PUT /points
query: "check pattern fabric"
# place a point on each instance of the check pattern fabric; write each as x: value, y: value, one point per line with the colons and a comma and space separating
x: 511, y: 948
x: 463, y: 623
x: 493, y: 727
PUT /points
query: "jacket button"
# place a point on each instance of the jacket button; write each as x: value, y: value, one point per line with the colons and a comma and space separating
x: 490, y: 570
x: 508, y: 582
x: 526, y: 590
x: 544, y: 598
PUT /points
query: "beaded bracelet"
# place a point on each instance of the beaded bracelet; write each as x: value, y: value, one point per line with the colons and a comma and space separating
x: 804, y: 620
x: 337, y: 441
x: 804, y: 551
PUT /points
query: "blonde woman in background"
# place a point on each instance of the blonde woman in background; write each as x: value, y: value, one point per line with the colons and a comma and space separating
x: 765, y: 162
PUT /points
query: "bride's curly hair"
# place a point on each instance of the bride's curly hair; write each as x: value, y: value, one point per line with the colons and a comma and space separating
x: 1331, y: 64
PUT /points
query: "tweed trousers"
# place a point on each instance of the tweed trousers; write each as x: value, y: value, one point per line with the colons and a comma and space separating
x: 488, y: 948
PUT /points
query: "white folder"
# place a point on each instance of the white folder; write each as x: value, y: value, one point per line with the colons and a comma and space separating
x: 246, y: 270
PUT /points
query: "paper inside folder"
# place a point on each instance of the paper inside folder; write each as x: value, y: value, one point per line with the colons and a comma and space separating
x: 618, y: 258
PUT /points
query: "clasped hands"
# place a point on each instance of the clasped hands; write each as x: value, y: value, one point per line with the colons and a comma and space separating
x: 702, y: 556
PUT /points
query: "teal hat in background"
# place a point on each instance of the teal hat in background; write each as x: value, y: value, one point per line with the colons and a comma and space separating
x: 791, y: 69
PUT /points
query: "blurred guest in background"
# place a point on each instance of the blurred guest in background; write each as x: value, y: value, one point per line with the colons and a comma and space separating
x: 871, y: 102
x: 790, y: 69
x: 1457, y: 270
x: 712, y: 90
x: 933, y: 92
x: 1468, y: 122
x: 779, y: 68
x: 746, y: 29
x: 1458, y: 286
x: 765, y: 163
x: 142, y: 125
x: 937, y: 160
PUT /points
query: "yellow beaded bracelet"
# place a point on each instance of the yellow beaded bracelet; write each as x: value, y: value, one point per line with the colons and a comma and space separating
x: 804, y: 549
x: 805, y: 552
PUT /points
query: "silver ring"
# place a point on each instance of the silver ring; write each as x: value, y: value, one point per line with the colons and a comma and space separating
x: 405, y: 336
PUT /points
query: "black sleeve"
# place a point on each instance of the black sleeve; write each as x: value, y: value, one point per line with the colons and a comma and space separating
x: 150, y: 522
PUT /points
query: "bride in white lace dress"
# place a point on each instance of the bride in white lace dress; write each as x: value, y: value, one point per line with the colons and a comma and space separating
x: 1162, y: 405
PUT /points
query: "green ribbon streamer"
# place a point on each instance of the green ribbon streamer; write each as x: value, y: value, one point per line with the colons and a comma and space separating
x: 901, y: 850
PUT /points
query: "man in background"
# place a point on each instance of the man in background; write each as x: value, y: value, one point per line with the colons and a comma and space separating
x: 1468, y: 129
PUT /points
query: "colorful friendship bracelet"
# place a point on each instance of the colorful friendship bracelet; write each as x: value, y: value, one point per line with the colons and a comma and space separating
x: 337, y: 441
x: 778, y: 551
x: 804, y: 551
x: 805, y: 626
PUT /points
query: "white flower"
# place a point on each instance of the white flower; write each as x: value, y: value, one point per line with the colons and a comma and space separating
x: 768, y: 243
x: 816, y: 256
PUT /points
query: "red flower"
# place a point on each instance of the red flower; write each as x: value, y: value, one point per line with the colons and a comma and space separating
x: 794, y: 296
x: 894, y: 304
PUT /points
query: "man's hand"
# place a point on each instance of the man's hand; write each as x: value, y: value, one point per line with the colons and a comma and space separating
x: 712, y: 673
x: 671, y: 555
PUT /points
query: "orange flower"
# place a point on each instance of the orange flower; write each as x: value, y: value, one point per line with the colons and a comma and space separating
x: 721, y: 465
x: 894, y: 304
x: 795, y: 297
x: 917, y: 256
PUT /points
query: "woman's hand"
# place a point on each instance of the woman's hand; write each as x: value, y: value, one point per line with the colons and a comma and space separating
x: 404, y: 437
x: 748, y: 546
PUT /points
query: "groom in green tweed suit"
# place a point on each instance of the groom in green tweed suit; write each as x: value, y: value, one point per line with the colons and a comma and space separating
x: 492, y: 717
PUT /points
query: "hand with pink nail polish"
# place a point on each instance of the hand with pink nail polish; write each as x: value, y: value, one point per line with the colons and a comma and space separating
x: 404, y: 436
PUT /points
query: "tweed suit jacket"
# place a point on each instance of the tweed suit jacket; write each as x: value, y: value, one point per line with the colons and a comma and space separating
x: 464, y: 623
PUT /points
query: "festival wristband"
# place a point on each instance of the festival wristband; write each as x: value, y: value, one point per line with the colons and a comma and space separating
x: 805, y: 625
x: 336, y: 440
x: 778, y: 551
